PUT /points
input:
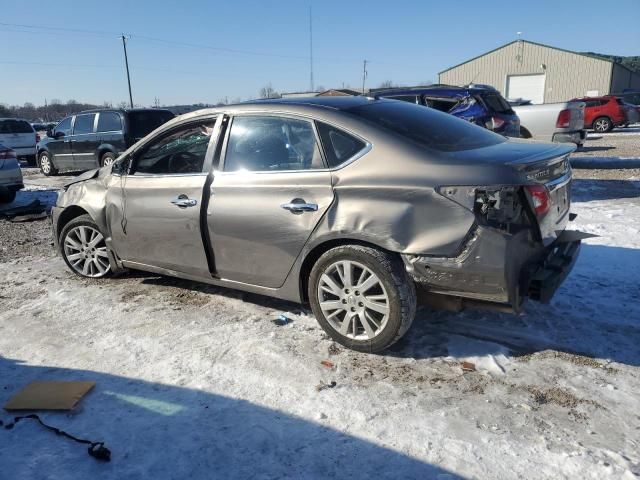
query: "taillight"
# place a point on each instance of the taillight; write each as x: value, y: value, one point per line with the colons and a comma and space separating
x: 540, y: 197
x: 564, y: 118
x: 7, y: 155
x: 37, y: 137
x: 494, y: 123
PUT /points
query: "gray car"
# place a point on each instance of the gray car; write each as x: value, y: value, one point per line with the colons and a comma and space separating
x: 349, y: 204
x: 10, y: 175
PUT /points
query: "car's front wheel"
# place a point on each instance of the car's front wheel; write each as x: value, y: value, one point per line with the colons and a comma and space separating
x: 602, y: 124
x: 362, y: 297
x: 107, y: 159
x: 83, y: 248
x: 46, y: 164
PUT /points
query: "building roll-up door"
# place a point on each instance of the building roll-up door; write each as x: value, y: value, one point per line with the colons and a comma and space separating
x: 527, y: 87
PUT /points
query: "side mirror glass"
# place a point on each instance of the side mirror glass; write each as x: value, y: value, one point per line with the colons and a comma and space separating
x: 120, y: 167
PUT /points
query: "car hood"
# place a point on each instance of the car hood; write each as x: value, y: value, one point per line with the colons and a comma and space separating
x: 88, y: 175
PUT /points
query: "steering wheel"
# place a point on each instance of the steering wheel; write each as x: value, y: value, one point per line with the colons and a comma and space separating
x: 185, y: 162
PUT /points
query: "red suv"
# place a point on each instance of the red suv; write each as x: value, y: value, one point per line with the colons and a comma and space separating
x: 603, y: 113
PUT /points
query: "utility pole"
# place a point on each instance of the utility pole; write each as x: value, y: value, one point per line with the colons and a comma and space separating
x: 364, y: 75
x: 311, y: 46
x: 126, y: 63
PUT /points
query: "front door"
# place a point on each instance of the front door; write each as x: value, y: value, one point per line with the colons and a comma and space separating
x: 154, y: 211
x: 84, y: 142
x: 272, y: 190
x: 60, y: 145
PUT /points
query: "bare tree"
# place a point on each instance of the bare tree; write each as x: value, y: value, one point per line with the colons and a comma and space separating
x: 387, y: 84
x: 268, y: 92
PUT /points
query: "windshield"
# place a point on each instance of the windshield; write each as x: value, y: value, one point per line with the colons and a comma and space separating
x: 144, y: 122
x: 426, y: 126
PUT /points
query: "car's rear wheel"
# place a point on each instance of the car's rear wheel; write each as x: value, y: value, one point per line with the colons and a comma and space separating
x: 83, y: 248
x: 107, y: 159
x: 362, y: 297
x: 46, y: 165
x: 602, y: 124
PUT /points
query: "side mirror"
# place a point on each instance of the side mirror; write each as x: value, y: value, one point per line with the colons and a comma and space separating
x: 58, y: 135
x: 120, y: 167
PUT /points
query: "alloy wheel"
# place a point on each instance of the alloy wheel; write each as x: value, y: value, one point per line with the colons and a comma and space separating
x: 86, y: 251
x: 45, y: 164
x: 602, y: 125
x: 353, y: 300
x: 108, y: 161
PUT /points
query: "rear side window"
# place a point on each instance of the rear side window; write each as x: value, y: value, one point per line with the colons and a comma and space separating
x: 271, y: 144
x: 15, y: 126
x: 84, y: 124
x: 338, y: 146
x: 143, y: 122
x: 425, y: 126
x: 496, y: 103
x: 109, y: 122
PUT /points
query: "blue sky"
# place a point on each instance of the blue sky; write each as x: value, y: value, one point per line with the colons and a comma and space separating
x: 407, y: 42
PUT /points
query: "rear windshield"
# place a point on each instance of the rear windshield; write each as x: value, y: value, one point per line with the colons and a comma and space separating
x: 15, y: 126
x: 496, y: 103
x: 144, y: 122
x: 426, y: 126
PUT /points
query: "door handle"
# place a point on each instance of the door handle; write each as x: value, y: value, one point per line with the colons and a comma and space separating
x: 297, y: 205
x: 183, y: 201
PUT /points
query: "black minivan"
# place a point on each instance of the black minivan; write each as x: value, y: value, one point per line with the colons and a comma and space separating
x: 95, y: 138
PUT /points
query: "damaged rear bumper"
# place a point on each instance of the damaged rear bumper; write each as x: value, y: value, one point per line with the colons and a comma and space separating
x: 500, y: 267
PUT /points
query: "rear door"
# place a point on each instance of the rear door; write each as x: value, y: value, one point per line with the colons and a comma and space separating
x: 84, y: 142
x: 272, y: 190
x: 109, y: 131
x: 154, y: 211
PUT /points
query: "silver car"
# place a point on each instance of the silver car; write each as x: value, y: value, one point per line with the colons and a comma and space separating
x: 349, y: 204
x: 10, y: 175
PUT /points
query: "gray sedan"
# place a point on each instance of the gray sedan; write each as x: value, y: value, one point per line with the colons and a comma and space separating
x: 348, y: 204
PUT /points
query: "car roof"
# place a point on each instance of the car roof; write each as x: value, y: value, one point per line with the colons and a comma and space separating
x: 440, y: 90
x: 13, y: 118
x: 121, y: 110
x: 336, y: 103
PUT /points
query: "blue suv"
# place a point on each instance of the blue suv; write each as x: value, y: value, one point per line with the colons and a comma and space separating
x: 479, y: 104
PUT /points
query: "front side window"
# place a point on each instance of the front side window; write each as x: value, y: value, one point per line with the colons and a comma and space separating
x: 109, y: 122
x: 84, y: 124
x: 338, y: 146
x: 180, y: 152
x: 64, y: 126
x: 271, y: 144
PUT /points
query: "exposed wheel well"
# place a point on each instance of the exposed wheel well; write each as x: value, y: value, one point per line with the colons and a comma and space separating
x: 69, y: 214
x: 313, y: 256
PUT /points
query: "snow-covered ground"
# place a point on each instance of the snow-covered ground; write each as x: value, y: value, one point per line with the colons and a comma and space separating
x: 197, y: 382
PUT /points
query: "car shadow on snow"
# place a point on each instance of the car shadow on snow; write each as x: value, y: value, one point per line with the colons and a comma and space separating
x: 584, y: 190
x: 595, y: 313
x: 161, y: 431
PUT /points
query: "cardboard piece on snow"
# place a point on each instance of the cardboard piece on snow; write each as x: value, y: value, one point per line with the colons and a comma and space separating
x: 49, y: 396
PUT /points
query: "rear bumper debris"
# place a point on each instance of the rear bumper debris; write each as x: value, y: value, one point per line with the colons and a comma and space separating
x: 500, y: 267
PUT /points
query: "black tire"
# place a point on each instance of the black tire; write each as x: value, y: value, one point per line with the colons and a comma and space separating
x: 602, y: 125
x: 46, y: 165
x: 107, y: 159
x: 7, y: 195
x: 31, y: 161
x: 524, y: 133
x: 394, y: 283
x: 88, y: 257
